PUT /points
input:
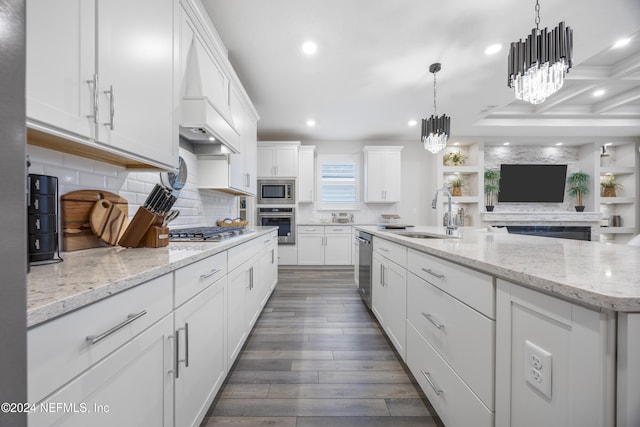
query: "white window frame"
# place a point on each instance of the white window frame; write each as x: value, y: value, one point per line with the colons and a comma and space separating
x: 324, y: 158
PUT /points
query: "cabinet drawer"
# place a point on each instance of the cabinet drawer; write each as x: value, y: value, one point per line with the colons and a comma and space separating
x: 242, y: 253
x: 59, y: 350
x: 310, y: 229
x: 462, y: 336
x: 337, y: 229
x: 469, y: 286
x: 196, y: 277
x: 454, y: 402
x: 393, y: 251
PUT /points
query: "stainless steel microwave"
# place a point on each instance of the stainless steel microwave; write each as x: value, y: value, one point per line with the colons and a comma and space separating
x: 276, y: 191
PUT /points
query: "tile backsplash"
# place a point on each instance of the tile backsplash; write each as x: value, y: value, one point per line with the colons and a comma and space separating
x: 197, y: 207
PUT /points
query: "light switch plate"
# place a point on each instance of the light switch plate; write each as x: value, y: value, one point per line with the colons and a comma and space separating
x: 537, y: 368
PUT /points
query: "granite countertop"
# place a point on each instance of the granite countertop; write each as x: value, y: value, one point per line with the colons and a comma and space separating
x: 90, y: 275
x: 595, y: 274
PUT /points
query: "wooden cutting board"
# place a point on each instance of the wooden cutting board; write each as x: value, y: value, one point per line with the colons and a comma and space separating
x: 76, y: 212
x: 107, y: 221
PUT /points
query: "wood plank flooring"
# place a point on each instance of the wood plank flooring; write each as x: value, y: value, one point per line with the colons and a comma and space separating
x: 317, y: 358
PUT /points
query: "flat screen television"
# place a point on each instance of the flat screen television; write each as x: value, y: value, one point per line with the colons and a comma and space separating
x: 532, y: 183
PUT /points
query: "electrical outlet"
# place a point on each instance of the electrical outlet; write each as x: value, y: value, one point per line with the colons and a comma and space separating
x: 537, y: 368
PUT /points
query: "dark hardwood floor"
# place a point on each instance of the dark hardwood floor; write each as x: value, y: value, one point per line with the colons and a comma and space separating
x: 317, y: 358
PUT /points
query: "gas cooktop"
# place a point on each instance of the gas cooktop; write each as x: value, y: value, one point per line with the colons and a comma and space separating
x: 205, y: 234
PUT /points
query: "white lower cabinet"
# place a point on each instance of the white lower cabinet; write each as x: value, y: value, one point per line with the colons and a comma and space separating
x: 389, y: 299
x: 200, y: 359
x: 579, y: 369
x: 324, y: 245
x: 131, y: 387
x: 452, y: 399
x: 236, y: 327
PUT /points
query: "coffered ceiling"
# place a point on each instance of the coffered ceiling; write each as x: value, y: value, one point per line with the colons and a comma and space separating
x: 370, y: 74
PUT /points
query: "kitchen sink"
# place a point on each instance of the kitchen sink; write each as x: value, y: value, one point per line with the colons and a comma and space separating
x: 423, y: 235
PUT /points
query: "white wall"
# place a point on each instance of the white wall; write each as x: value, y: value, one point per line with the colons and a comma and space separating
x: 197, y: 207
x: 417, y: 184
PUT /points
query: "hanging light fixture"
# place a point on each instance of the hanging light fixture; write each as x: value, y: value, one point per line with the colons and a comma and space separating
x: 537, y: 66
x: 435, y: 130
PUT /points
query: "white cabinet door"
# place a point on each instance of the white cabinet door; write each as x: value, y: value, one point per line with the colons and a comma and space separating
x: 131, y: 387
x: 278, y: 161
x: 135, y: 65
x: 395, y: 288
x: 310, y: 249
x: 337, y: 249
x: 378, y: 293
x: 238, y: 289
x: 237, y: 177
x: 200, y: 369
x: 250, y: 151
x: 306, y: 176
x: 61, y: 63
x: 382, y: 172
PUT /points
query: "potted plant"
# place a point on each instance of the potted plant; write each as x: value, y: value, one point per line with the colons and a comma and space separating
x: 453, y: 158
x: 609, y: 185
x: 491, y: 179
x: 456, y: 187
x: 578, y: 182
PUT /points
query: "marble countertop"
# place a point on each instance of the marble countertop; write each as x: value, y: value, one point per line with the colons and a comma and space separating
x: 90, y: 275
x: 595, y: 274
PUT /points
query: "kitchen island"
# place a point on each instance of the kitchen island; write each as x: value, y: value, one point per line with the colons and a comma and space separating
x: 520, y: 330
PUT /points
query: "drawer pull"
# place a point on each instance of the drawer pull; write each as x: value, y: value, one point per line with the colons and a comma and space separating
x: 430, y: 319
x: 433, y: 386
x: 186, y: 345
x: 383, y: 249
x: 431, y: 272
x: 94, y: 339
x: 177, y: 354
x: 209, y: 274
x: 266, y: 241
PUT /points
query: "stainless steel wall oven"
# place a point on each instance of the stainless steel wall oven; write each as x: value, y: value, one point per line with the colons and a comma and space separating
x: 284, y: 219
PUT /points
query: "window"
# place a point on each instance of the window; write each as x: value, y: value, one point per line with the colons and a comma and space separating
x: 338, y: 181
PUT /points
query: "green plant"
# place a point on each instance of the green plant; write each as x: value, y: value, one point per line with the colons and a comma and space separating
x: 453, y: 158
x: 579, y: 187
x: 491, y: 187
x: 456, y: 182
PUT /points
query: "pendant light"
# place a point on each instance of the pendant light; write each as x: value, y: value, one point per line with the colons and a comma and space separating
x: 537, y: 66
x: 435, y: 130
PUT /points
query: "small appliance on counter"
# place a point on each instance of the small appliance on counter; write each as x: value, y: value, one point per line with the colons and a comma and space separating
x: 42, y: 219
x: 342, y: 217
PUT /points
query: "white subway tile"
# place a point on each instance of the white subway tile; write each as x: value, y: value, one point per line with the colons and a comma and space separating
x: 109, y: 170
x: 136, y: 186
x: 90, y: 180
x: 116, y: 185
x: 65, y: 176
x: 78, y: 163
x: 44, y: 155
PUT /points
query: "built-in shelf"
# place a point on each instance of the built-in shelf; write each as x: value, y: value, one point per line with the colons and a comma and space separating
x: 617, y: 230
x: 616, y: 200
x: 617, y: 170
x: 462, y: 199
x: 460, y: 169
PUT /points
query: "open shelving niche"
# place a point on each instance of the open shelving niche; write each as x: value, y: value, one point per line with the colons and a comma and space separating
x: 472, y: 175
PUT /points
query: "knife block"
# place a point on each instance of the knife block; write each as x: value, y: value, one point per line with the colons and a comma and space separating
x: 156, y: 237
x: 138, y: 227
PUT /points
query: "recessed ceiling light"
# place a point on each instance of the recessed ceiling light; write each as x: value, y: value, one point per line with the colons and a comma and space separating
x: 412, y: 122
x: 599, y: 92
x: 211, y: 138
x: 559, y: 144
x: 311, y: 123
x: 309, y: 47
x: 506, y: 143
x: 456, y: 143
x: 621, y: 43
x: 493, y: 49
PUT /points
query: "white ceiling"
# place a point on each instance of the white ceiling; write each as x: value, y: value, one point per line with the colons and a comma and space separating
x: 370, y: 75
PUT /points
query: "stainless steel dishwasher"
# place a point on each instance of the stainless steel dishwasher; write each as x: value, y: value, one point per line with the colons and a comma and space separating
x: 365, y: 253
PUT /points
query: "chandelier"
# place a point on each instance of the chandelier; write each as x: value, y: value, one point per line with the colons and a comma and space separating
x: 537, y: 66
x: 435, y: 130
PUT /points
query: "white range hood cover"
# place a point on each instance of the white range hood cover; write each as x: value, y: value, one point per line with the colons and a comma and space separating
x: 202, y: 117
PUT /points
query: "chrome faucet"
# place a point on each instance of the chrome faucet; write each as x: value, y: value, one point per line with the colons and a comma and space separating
x: 451, y: 223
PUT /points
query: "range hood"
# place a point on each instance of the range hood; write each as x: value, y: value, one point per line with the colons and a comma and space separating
x: 206, y: 115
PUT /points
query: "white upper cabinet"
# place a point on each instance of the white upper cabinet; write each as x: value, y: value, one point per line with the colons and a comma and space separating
x: 306, y: 174
x: 278, y: 159
x: 382, y: 174
x: 61, y: 64
x: 135, y: 65
x: 97, y: 72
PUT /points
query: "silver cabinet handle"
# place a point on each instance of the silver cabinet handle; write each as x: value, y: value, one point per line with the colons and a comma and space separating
x: 177, y: 354
x: 361, y: 240
x: 273, y: 256
x: 186, y: 345
x: 209, y: 274
x: 433, y: 273
x: 384, y: 249
x: 433, y: 386
x: 430, y: 319
x: 112, y: 107
x: 310, y: 229
x: 337, y: 229
x: 248, y: 184
x: 94, y: 339
x: 251, y: 278
x: 94, y: 82
x: 266, y: 241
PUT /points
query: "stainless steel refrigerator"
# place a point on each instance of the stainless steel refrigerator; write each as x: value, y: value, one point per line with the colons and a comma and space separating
x: 13, y: 222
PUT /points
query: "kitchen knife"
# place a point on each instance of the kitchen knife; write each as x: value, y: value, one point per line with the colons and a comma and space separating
x: 154, y: 200
x: 152, y: 195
